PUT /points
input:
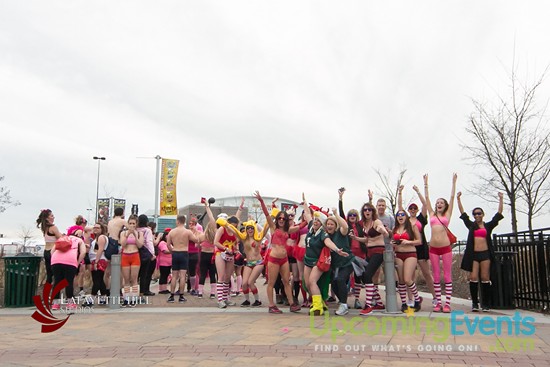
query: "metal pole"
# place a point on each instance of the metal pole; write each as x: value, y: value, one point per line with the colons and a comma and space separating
x: 389, y: 280
x: 114, y: 300
x: 99, y: 159
x: 157, y: 190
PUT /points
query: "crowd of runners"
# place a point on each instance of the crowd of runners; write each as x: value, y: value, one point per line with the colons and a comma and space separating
x: 319, y: 255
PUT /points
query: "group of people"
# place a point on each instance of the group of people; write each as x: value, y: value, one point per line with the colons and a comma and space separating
x: 327, y: 253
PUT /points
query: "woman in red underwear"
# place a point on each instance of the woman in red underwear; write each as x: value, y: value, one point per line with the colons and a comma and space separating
x: 440, y: 246
x: 405, y: 239
x: 131, y: 240
x: 278, y: 258
x: 479, y: 251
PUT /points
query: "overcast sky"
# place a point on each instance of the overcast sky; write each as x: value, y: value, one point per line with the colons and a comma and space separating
x: 283, y: 97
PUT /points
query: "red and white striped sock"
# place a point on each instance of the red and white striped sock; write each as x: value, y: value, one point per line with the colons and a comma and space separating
x: 219, y: 291
x: 414, y: 292
x: 357, y: 290
x: 227, y: 287
x: 370, y: 295
x: 448, y: 293
x: 402, y: 289
x: 376, y: 297
x: 437, y: 290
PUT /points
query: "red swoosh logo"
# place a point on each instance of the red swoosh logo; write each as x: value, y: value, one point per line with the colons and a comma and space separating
x: 43, y: 305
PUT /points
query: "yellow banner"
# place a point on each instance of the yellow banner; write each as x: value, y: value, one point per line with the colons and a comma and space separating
x: 168, y: 179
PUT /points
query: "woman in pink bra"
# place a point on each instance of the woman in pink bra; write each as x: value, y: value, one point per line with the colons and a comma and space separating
x: 131, y: 240
x: 479, y: 251
x: 440, y: 246
x: 405, y: 238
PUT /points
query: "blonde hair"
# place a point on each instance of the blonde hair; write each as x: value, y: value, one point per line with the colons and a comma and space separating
x: 210, y: 232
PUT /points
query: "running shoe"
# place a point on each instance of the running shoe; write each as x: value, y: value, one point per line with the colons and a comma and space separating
x: 331, y: 299
x: 182, y: 299
x: 446, y: 309
x: 379, y: 307
x: 256, y: 304
x: 357, y: 305
x: 475, y: 307
x: 366, y: 311
x: 212, y: 296
x: 437, y: 308
x: 230, y: 303
x: 342, y: 309
x: 404, y: 307
x: 485, y: 309
x: 56, y: 307
x: 274, y: 309
x: 246, y: 303
x: 295, y: 307
x: 171, y: 299
x: 199, y: 295
x: 222, y: 304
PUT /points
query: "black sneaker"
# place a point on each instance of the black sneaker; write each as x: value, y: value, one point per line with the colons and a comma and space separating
x: 212, y: 296
x: 417, y: 305
x: 199, y: 295
x: 170, y: 299
x: 182, y: 299
x: 125, y: 303
x: 256, y: 304
x: 246, y: 303
x: 331, y: 299
x: 475, y: 307
x: 404, y: 307
x: 485, y: 308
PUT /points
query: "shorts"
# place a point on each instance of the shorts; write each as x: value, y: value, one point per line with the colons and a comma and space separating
x: 276, y: 260
x: 87, y: 259
x: 423, y: 252
x: 130, y: 259
x: 405, y: 255
x: 480, y: 256
x: 440, y: 250
x: 254, y: 263
x: 180, y: 260
x: 299, y: 253
x: 310, y: 262
x: 291, y: 260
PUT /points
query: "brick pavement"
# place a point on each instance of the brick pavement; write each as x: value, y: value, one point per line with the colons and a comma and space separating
x: 195, y: 334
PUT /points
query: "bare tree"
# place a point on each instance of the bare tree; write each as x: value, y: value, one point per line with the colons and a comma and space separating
x: 26, y: 234
x: 5, y: 198
x: 390, y: 185
x: 507, y: 140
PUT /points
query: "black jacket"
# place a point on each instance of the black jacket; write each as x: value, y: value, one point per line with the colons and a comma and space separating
x: 468, y: 257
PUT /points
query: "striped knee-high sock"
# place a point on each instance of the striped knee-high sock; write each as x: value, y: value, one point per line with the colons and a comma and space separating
x: 219, y: 291
x: 127, y: 291
x: 227, y: 287
x: 357, y: 290
x: 414, y: 292
x: 370, y: 295
x: 437, y: 290
x: 448, y: 293
x: 376, y: 297
x: 402, y: 289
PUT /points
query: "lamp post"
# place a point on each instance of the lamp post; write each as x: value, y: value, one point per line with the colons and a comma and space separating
x: 99, y: 159
x: 89, y: 210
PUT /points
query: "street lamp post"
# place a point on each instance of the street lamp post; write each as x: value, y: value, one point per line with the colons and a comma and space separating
x: 99, y: 159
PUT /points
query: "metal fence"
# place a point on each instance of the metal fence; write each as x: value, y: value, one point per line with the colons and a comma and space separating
x: 531, y: 251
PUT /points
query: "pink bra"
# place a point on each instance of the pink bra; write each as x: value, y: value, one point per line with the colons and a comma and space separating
x: 439, y: 221
x: 480, y: 233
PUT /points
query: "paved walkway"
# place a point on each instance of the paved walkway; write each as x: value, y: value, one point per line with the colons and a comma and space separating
x: 198, y: 335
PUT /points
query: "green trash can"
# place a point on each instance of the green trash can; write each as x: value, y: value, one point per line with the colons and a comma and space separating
x: 20, y: 279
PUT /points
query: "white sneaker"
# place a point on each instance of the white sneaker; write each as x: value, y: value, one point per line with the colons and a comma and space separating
x: 434, y: 302
x: 82, y: 293
x: 229, y: 303
x: 222, y: 304
x: 342, y: 310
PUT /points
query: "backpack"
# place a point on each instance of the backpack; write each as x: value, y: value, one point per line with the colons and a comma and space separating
x: 63, y: 244
x: 112, y: 248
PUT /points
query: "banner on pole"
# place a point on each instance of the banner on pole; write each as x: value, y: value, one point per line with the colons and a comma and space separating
x: 119, y: 203
x: 168, y: 180
x: 103, y: 207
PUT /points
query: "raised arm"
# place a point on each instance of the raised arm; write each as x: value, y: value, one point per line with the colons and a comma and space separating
x: 370, y: 196
x: 400, y: 198
x: 427, y: 196
x: 268, y: 218
x: 452, y: 199
x: 240, y: 210
x: 340, y: 203
x: 424, y: 209
x: 307, y: 213
x: 341, y: 221
x: 459, y: 202
x: 500, y: 202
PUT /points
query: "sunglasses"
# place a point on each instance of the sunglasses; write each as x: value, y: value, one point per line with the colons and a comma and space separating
x: 291, y: 215
x: 413, y: 208
x: 249, y: 227
x: 352, y: 215
x: 281, y: 218
x: 400, y: 215
x: 478, y: 213
x: 367, y: 209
